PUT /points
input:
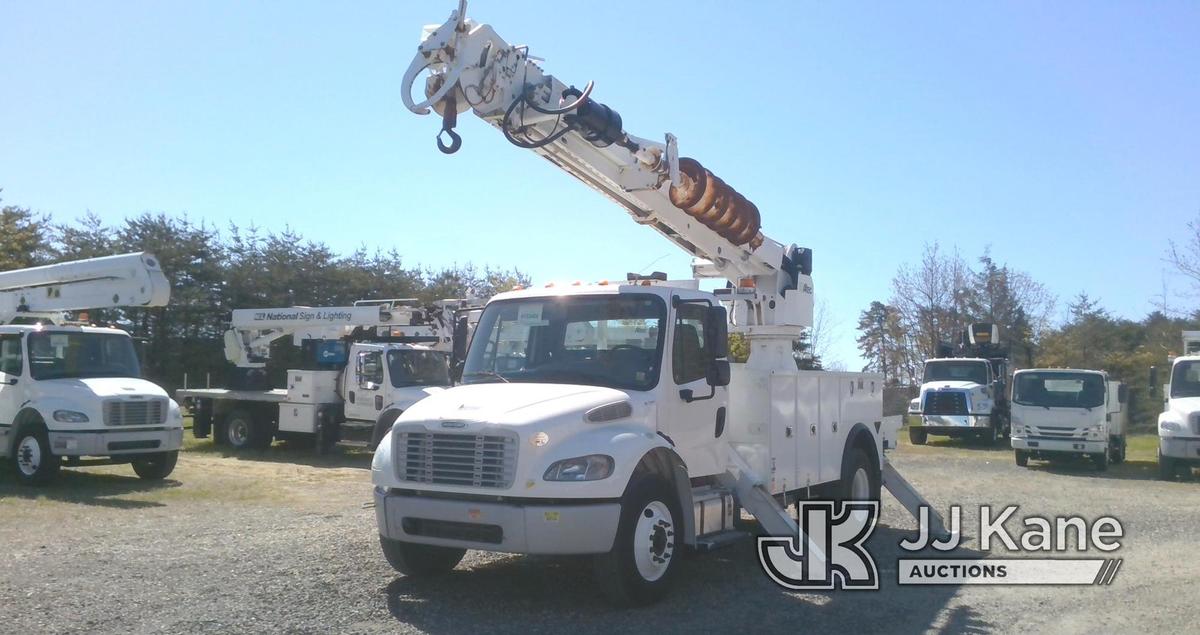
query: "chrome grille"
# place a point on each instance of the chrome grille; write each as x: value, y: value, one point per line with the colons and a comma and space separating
x: 1057, y: 432
x: 474, y: 460
x: 945, y: 402
x: 135, y: 412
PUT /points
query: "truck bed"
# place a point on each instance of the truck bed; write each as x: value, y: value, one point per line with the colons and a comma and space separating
x: 276, y: 395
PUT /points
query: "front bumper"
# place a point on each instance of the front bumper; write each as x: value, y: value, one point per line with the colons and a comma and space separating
x: 1183, y: 448
x: 1066, y: 446
x: 527, y: 526
x: 115, y: 442
x: 943, y: 424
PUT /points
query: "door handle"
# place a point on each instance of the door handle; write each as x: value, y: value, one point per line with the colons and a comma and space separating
x: 787, y: 432
x: 812, y: 429
x: 350, y: 396
x: 835, y: 426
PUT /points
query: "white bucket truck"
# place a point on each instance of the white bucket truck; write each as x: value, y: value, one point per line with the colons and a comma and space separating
x: 1064, y: 411
x: 605, y: 419
x: 74, y: 393
x: 1179, y: 424
x: 964, y: 391
x: 363, y: 366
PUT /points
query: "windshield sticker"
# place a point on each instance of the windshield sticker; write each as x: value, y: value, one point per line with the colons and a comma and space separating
x: 530, y: 315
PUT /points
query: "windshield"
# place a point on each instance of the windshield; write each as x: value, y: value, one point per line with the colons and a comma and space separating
x: 58, y: 355
x: 1185, y: 380
x: 613, y: 341
x: 418, y: 368
x: 1060, y: 390
x: 976, y: 372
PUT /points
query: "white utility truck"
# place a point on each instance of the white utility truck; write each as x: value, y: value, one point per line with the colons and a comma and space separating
x: 1060, y: 412
x: 964, y: 391
x: 1179, y: 424
x: 75, y: 393
x: 363, y: 365
x: 605, y: 419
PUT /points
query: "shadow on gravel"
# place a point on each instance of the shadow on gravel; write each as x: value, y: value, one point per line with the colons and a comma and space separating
x: 1080, y: 467
x: 969, y: 444
x: 92, y: 489
x: 287, y: 452
x: 723, y: 591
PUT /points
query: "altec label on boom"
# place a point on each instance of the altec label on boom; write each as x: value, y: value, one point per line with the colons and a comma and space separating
x: 831, y: 551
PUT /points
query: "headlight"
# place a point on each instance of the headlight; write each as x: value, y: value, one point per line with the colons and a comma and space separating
x: 1170, y: 426
x: 592, y: 467
x: 1094, y: 432
x: 914, y: 406
x: 70, y: 416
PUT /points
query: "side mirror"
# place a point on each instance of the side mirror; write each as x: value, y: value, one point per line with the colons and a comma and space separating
x: 718, y: 373
x: 716, y: 332
x: 1123, y: 394
x: 1153, y: 378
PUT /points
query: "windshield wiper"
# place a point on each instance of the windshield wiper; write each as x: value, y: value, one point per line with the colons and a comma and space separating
x: 488, y: 373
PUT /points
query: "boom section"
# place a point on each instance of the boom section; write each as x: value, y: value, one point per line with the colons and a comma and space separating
x: 46, y: 292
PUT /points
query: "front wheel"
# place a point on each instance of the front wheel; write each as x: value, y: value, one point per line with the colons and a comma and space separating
x: 34, y: 463
x: 1166, y: 467
x: 420, y: 561
x: 1022, y: 458
x: 917, y: 436
x: 1101, y: 461
x: 645, y: 555
x: 157, y: 466
x: 994, y: 434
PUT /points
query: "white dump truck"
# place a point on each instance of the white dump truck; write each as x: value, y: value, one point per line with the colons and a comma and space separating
x: 605, y: 419
x: 964, y: 391
x: 1060, y: 412
x: 363, y: 366
x: 1179, y: 424
x: 74, y: 394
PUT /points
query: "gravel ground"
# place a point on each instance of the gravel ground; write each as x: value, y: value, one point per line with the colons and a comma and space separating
x: 287, y: 544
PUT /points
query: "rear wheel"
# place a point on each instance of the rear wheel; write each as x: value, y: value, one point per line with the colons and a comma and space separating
x: 860, y: 479
x: 33, y: 462
x: 420, y: 561
x: 382, y: 427
x: 642, y: 564
x: 917, y: 436
x: 994, y: 434
x: 157, y: 466
x: 1022, y: 458
x: 242, y: 432
x: 1118, y: 452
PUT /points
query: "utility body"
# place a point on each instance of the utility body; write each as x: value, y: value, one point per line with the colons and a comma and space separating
x: 964, y: 390
x: 362, y: 366
x: 1179, y: 423
x: 73, y: 393
x: 1060, y: 412
x: 606, y: 419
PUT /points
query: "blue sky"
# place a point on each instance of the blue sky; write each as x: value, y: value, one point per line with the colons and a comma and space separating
x: 1066, y: 135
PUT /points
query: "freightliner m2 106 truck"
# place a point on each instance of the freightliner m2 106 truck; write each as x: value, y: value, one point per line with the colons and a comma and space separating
x: 1179, y: 424
x: 606, y: 419
x: 74, y: 394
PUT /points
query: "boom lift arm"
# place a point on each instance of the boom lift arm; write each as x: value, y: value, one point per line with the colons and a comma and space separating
x: 251, y: 331
x: 49, y: 291
x: 471, y: 67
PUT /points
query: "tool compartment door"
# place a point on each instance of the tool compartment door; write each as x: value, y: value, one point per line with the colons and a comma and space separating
x: 808, y: 430
x: 831, y: 431
x: 784, y: 433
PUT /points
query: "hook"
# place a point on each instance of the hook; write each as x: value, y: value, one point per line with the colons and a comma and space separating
x: 449, y: 120
x: 455, y: 141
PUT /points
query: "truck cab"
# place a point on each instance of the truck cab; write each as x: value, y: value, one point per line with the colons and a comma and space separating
x: 71, y: 392
x: 600, y: 420
x: 1063, y: 411
x: 1179, y: 424
x: 960, y: 397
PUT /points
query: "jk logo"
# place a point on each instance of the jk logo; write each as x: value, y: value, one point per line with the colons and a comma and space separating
x: 828, y: 553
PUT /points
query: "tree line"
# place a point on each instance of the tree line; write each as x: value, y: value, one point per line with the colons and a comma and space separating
x: 932, y: 300
x: 213, y: 271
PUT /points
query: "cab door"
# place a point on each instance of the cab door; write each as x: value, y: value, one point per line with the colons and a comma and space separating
x: 693, y: 410
x: 365, y: 384
x: 12, y: 388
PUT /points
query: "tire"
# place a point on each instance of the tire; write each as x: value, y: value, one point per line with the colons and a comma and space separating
x: 1118, y: 453
x: 33, y: 462
x: 243, y: 433
x: 1100, y: 461
x: 1022, y: 458
x: 1166, y: 467
x: 420, y: 561
x: 382, y: 427
x: 994, y: 434
x: 640, y: 569
x: 157, y: 466
x: 917, y: 436
x: 860, y: 479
